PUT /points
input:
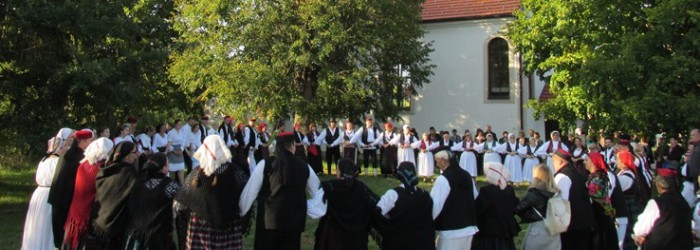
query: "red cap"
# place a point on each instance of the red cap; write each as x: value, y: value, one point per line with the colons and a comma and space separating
x: 667, y: 172
x: 388, y: 124
x: 627, y: 159
x: 204, y: 117
x: 563, y: 154
x: 131, y: 119
x: 261, y: 126
x: 83, y: 134
x: 252, y: 119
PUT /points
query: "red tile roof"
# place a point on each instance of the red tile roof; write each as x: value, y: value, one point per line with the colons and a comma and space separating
x: 437, y: 10
x: 546, y: 95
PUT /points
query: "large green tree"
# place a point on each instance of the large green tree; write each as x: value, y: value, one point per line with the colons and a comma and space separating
x: 312, y: 58
x: 617, y: 65
x: 81, y: 63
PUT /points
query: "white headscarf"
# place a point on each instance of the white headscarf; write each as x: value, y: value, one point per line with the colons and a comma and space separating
x: 497, y: 174
x: 98, y: 150
x: 212, y: 154
x: 61, y: 137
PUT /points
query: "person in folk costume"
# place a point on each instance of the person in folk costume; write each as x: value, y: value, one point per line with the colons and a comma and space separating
x: 406, y: 142
x: 211, y: 194
x: 490, y: 149
x: 415, y: 134
x: 454, y: 215
x: 103, y: 132
x: 531, y: 160
x: 115, y: 184
x: 133, y: 123
x: 406, y: 213
x: 617, y: 199
x: 513, y: 162
x: 494, y: 210
x: 264, y: 137
x: 227, y: 133
x: 299, y: 141
x: 251, y: 142
x: 124, y: 135
x: 332, y: 139
x: 78, y: 222
x: 205, y: 128
x: 502, y: 141
x: 426, y: 163
x: 177, y: 141
x: 37, y: 225
x: 599, y: 190
x: 578, y: 155
x: 548, y: 149
x: 608, y: 153
x: 63, y: 183
x: 629, y: 184
x: 366, y: 137
x: 349, y: 147
x: 144, y: 143
x: 150, y: 207
x: 533, y: 209
x: 187, y: 130
x: 446, y: 144
x: 674, y: 153
x: 467, y: 158
x: 665, y: 222
x: 573, y: 188
x: 644, y: 184
x: 313, y: 149
x: 160, y: 139
x: 387, y: 150
x: 279, y: 184
x: 193, y: 144
x: 240, y: 152
x: 456, y: 139
x: 346, y: 207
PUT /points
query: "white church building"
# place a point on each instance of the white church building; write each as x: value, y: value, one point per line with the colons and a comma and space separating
x: 478, y: 79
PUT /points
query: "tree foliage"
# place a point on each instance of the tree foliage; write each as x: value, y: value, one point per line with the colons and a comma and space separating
x: 315, y: 59
x: 81, y: 63
x: 617, y: 65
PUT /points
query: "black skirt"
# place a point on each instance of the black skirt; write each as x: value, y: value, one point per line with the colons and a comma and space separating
x: 481, y: 242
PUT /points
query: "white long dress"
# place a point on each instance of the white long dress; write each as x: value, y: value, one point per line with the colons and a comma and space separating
x: 468, y: 158
x: 426, y: 163
x: 493, y: 155
x: 406, y: 153
x: 547, y: 150
x: 38, y: 234
x: 178, y: 141
x: 531, y: 161
x: 513, y: 161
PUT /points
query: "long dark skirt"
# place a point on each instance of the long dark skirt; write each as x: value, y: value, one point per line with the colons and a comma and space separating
x: 481, y: 242
x: 315, y: 161
x: 389, y: 158
x: 350, y: 153
x: 200, y: 235
x: 605, y: 235
x: 634, y: 210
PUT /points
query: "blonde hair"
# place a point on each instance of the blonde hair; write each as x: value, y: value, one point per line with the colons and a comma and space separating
x: 542, y: 178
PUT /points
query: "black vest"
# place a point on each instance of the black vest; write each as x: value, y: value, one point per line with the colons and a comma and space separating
x: 386, y: 140
x: 672, y: 230
x: 203, y: 132
x: 458, y: 211
x: 617, y: 199
x: 365, y: 134
x: 280, y: 206
x: 331, y: 138
x: 411, y: 218
x: 509, y: 149
x: 581, y: 207
x: 251, y: 137
x: 402, y: 139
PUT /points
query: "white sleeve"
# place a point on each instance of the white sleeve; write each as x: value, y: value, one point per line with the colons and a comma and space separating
x: 457, y: 147
x: 502, y: 148
x: 378, y: 139
x: 316, y: 207
x: 564, y: 147
x: 439, y: 193
x: 356, y: 137
x: 479, y: 147
x: 305, y: 141
x: 564, y: 184
x: 246, y: 136
x: 312, y: 183
x: 388, y: 201
x: 696, y: 220
x: 542, y: 151
x: 416, y: 144
x: 475, y: 190
x: 625, y: 182
x: 338, y: 141
x: 432, y: 146
x: 321, y: 138
x: 395, y: 140
x: 646, y: 220
x: 251, y: 189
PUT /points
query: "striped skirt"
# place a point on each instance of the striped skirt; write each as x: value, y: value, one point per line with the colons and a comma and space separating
x: 200, y: 235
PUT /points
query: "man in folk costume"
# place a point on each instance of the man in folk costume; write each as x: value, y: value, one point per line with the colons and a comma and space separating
x: 387, y: 150
x: 187, y: 134
x: 264, y: 137
x: 299, y: 141
x: 227, y: 133
x: 406, y: 142
x: 467, y: 160
x: 548, y: 149
x: 279, y: 184
x: 349, y: 147
x: 251, y: 142
x: 365, y: 138
x: 609, y: 153
x: 453, y: 197
x: 204, y: 128
x: 63, y: 184
x: 513, y: 162
x: 332, y: 139
x: 573, y: 188
x: 666, y: 220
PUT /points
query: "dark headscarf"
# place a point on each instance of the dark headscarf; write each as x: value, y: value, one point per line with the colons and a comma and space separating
x: 120, y: 151
x: 406, y: 173
x: 347, y: 168
x: 155, y: 163
x: 284, y: 172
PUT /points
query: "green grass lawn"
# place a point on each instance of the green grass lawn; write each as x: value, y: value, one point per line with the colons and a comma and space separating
x: 17, y: 184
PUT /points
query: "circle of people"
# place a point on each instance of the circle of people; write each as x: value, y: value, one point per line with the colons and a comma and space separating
x: 99, y: 193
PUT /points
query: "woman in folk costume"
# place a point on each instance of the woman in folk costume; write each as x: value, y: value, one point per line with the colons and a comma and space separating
x: 346, y: 207
x: 467, y: 160
x: 426, y: 163
x: 194, y: 143
x: 531, y: 160
x: 599, y: 189
x: 313, y: 149
x: 299, y: 141
x: 264, y: 137
x: 150, y: 207
x: 548, y: 149
x: 533, y: 209
x: 177, y: 138
x: 124, y: 131
x: 212, y: 194
x: 38, y: 233
x: 78, y: 223
x: 115, y: 183
x: 406, y: 142
x: 513, y: 162
x: 160, y: 139
x: 490, y: 149
x: 494, y: 210
x: 145, y: 144
x: 578, y: 154
x: 407, y: 213
x: 629, y: 184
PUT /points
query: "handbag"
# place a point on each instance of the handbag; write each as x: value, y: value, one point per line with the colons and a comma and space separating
x: 558, y: 215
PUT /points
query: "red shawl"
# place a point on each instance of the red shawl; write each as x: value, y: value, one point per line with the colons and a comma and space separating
x: 79, y: 214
